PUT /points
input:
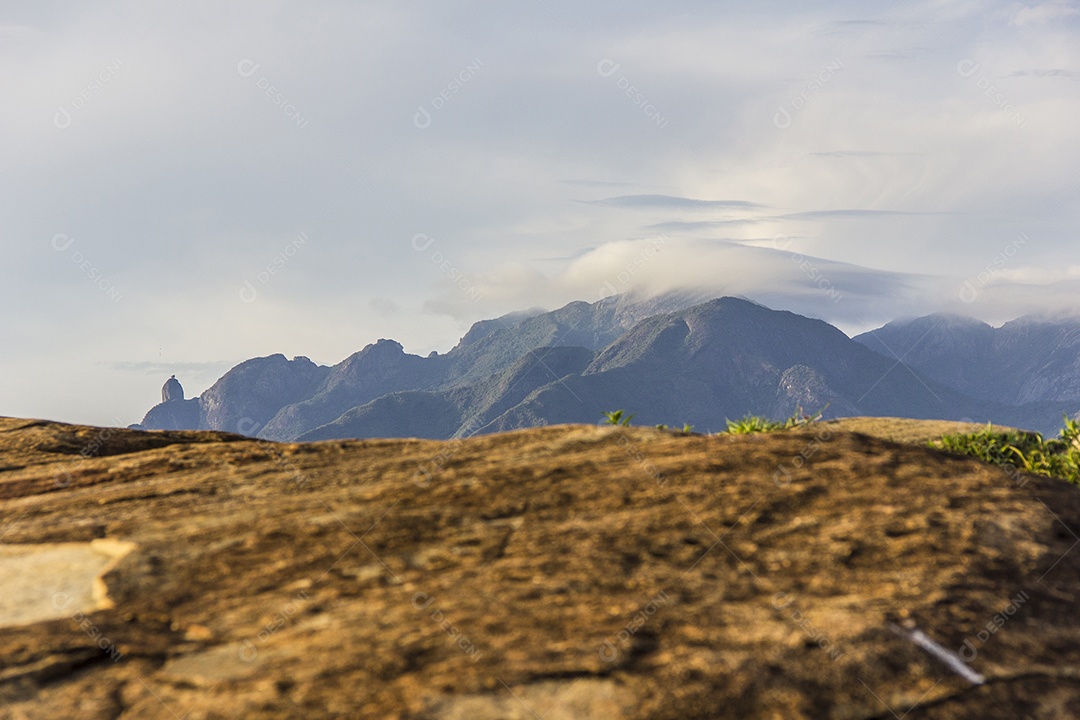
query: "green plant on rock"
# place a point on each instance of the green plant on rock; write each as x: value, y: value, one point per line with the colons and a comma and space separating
x: 1028, y: 451
x: 618, y: 417
x: 686, y: 428
x: 743, y: 426
x: 799, y: 418
x: 748, y: 424
x: 755, y: 423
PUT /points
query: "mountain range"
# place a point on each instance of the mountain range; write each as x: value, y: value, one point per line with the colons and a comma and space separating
x: 671, y: 360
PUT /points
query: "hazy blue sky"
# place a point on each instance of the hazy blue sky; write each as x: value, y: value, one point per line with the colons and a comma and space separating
x: 187, y: 184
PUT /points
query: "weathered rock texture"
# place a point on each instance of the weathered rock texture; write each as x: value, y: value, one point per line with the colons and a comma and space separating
x: 561, y: 572
x: 172, y: 390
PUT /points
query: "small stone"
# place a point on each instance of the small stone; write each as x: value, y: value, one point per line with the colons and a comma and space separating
x: 198, y: 633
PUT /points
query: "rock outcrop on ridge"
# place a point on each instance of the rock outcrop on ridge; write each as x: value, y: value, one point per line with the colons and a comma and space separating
x: 559, y: 572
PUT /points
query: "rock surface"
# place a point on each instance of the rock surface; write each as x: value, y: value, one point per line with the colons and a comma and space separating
x: 172, y: 390
x: 560, y: 572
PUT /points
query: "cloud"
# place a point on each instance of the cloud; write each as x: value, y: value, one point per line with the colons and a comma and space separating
x: 848, y: 214
x: 683, y: 225
x: 671, y: 202
x: 167, y: 368
x: 853, y: 297
x: 864, y: 26
x: 384, y: 306
x: 1043, y: 13
x: 860, y: 154
x: 661, y: 265
x: 1003, y: 299
x: 1032, y: 276
x: 1047, y: 73
x: 571, y: 256
x: 597, y: 183
x: 18, y: 32
x: 897, y: 54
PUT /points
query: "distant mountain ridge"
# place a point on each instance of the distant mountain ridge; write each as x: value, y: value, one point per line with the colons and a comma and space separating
x: 1028, y: 360
x: 669, y: 360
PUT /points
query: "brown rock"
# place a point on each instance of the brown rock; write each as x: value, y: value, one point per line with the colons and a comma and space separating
x: 562, y: 572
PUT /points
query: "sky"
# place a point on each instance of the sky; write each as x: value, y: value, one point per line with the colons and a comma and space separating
x: 188, y: 184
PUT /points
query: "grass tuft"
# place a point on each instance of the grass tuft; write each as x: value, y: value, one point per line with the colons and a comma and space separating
x: 618, y: 417
x: 748, y: 424
x: 1058, y: 457
x: 755, y: 423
